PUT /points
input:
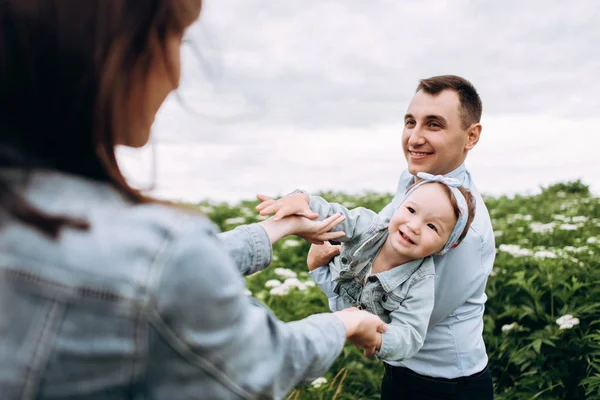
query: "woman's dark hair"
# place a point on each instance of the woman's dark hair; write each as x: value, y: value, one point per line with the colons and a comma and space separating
x: 67, y: 73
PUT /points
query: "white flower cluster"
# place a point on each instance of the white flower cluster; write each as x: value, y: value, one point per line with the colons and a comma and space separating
x: 246, y: 212
x: 568, y: 227
x: 317, y: 383
x: 235, y: 221
x: 517, y: 217
x: 292, y: 243
x: 592, y: 240
x: 285, y: 273
x: 271, y: 283
x: 509, y: 327
x: 573, y: 249
x: 518, y: 251
x: 538, y: 227
x: 567, y: 321
x: 562, y: 218
x: 544, y: 254
x: 281, y: 289
x: 515, y: 250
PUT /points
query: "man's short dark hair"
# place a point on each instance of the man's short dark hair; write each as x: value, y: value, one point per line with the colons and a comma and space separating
x: 470, y: 102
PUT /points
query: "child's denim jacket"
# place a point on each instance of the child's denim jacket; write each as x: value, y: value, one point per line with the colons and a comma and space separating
x: 402, y: 297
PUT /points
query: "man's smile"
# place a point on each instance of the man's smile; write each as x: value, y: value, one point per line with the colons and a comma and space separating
x: 419, y: 154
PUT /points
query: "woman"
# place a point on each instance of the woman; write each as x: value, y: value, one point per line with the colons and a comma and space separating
x: 105, y: 293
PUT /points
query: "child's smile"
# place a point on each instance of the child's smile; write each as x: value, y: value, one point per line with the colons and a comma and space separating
x: 405, y: 237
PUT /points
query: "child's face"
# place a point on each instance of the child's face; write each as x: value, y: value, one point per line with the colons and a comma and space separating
x: 422, y: 224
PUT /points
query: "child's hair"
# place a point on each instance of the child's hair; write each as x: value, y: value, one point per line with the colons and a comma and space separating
x: 470, y: 205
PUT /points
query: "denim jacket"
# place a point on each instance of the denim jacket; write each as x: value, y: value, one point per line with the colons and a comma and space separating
x: 147, y: 304
x: 402, y: 296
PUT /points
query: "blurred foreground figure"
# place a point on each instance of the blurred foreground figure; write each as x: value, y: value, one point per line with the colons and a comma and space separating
x: 105, y: 293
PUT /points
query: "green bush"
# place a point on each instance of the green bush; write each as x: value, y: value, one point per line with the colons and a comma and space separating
x: 547, y: 267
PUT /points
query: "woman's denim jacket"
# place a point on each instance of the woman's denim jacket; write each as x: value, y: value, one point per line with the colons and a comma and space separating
x: 403, y: 296
x: 147, y: 304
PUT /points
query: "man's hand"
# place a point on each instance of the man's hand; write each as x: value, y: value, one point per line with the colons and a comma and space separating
x: 320, y: 255
x: 294, y: 204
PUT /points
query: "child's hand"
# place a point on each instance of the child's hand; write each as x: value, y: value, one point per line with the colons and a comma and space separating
x: 320, y: 255
x: 294, y: 204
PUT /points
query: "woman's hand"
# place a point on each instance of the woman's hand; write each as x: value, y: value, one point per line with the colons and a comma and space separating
x: 363, y: 329
x: 296, y: 204
x: 293, y: 204
x: 318, y: 231
x: 321, y: 254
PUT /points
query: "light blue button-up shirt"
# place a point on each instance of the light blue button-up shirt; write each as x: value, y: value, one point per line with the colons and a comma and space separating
x: 454, y: 344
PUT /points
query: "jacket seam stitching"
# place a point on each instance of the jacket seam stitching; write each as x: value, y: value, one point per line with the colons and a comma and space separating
x: 41, y: 352
x: 181, y: 347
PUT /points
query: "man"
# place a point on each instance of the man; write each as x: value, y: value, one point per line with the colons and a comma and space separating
x: 441, y: 125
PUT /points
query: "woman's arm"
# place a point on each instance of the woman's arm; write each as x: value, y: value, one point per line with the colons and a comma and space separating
x: 249, y: 246
x: 215, y: 332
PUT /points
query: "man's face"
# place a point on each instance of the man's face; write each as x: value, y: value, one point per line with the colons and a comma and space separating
x: 423, y: 223
x: 433, y: 139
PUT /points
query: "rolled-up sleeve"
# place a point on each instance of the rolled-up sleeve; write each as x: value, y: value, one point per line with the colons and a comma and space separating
x: 408, y: 326
x: 249, y: 247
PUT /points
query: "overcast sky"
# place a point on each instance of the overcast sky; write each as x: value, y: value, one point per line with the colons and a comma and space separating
x: 286, y: 94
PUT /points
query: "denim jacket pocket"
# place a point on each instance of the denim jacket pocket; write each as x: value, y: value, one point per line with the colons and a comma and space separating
x: 387, y: 305
x: 390, y: 302
x: 350, y: 290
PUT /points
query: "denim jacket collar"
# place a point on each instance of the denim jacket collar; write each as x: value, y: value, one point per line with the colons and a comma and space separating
x: 368, y: 249
x: 51, y: 185
x: 394, y: 277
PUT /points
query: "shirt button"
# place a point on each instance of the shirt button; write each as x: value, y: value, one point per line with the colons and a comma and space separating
x: 372, y: 278
x: 344, y: 260
x: 384, y: 298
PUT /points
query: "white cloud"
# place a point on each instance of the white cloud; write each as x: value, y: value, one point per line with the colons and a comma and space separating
x: 310, y: 94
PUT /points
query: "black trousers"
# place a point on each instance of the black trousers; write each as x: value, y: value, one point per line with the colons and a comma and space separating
x: 404, y: 384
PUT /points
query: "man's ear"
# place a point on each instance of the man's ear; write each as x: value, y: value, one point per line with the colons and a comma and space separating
x: 473, y: 135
